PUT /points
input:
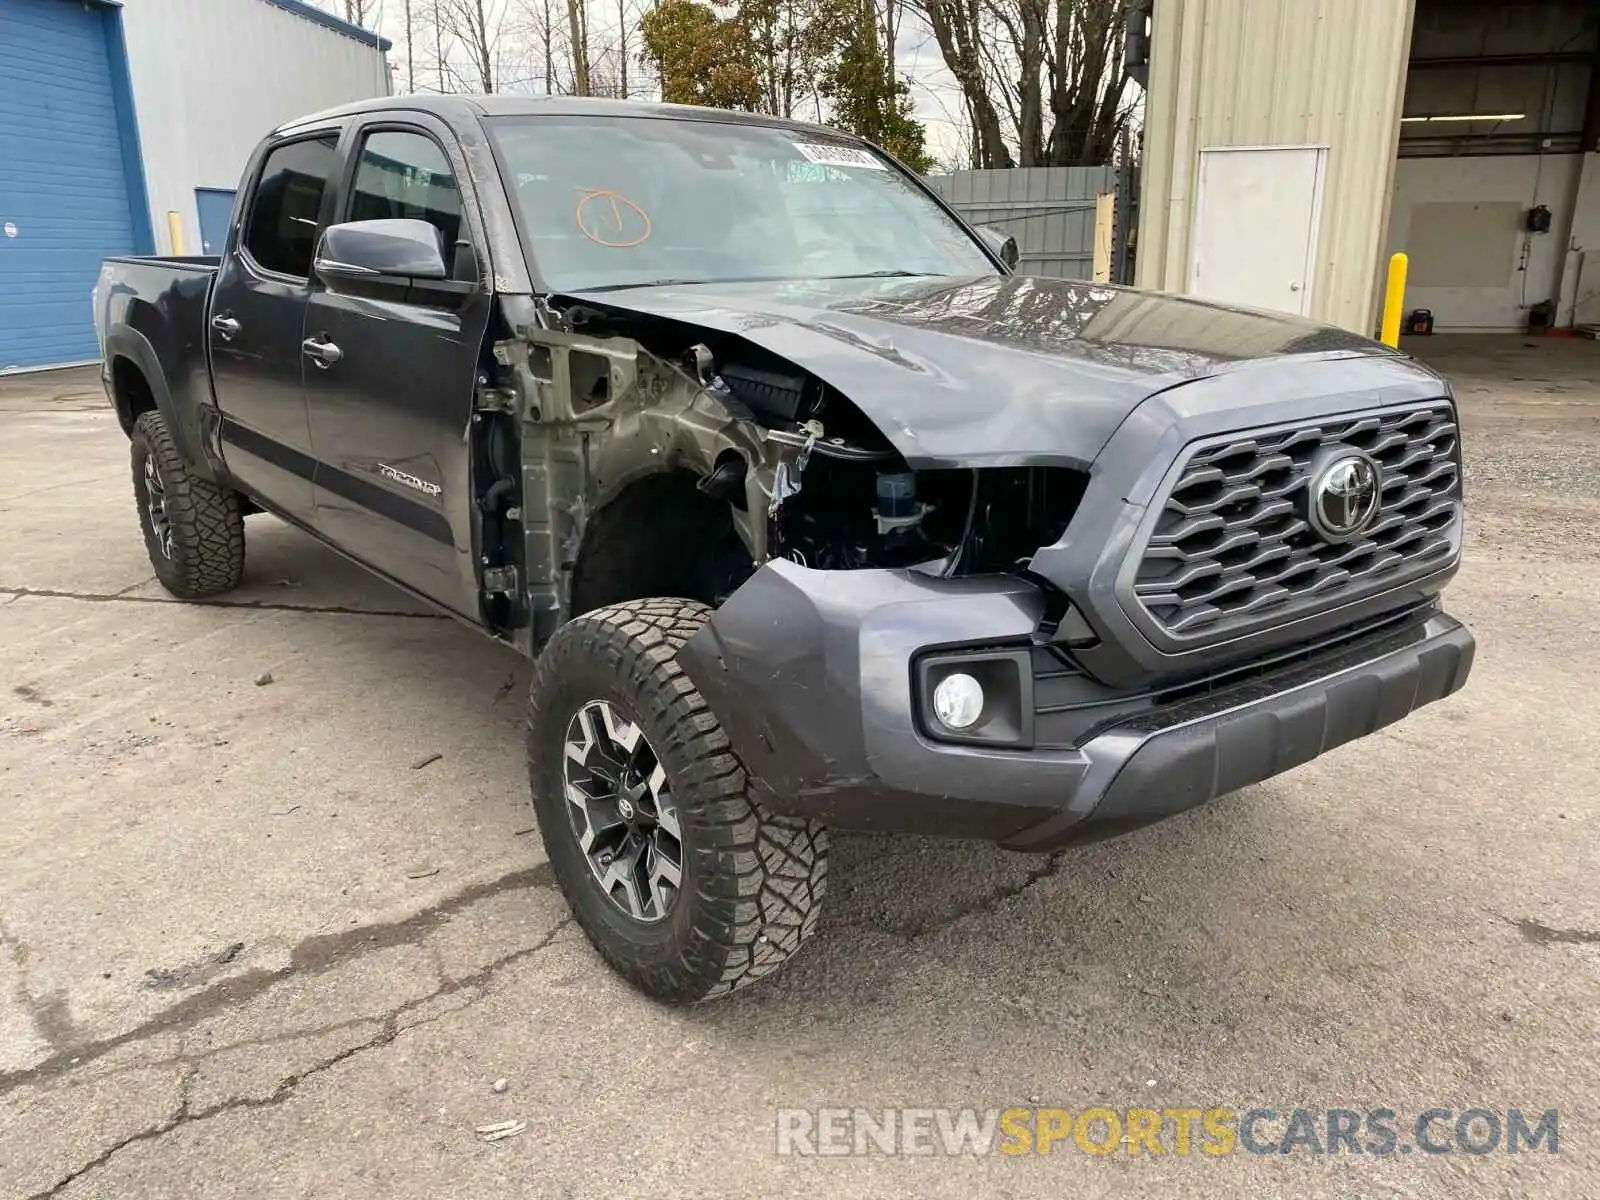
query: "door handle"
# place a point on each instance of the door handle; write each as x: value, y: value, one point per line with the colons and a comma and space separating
x: 225, y: 325
x: 324, y: 354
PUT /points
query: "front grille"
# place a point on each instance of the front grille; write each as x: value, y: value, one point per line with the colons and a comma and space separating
x: 1232, y: 549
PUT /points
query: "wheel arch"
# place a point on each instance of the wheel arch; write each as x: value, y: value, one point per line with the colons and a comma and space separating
x: 658, y: 534
x: 131, y: 393
x: 139, y: 385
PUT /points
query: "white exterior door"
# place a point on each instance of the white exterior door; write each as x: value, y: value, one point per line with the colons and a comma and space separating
x: 1255, y: 235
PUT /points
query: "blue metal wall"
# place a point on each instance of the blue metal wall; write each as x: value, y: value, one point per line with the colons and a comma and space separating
x: 71, y: 185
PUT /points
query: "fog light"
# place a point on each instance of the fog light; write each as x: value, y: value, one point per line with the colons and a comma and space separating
x: 958, y: 701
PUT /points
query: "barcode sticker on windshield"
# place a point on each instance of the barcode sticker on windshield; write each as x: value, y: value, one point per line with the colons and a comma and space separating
x: 830, y: 154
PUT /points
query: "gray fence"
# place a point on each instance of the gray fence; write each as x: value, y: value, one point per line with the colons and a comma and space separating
x: 1049, y: 210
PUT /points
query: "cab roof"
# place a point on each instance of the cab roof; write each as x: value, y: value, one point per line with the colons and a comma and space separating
x: 469, y: 109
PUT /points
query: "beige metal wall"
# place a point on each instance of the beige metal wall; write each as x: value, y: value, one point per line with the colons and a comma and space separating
x: 1277, y: 72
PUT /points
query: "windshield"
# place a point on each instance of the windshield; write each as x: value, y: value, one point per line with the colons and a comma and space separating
x: 623, y: 201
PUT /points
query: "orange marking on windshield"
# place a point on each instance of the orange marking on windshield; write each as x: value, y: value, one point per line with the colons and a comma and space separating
x: 617, y: 221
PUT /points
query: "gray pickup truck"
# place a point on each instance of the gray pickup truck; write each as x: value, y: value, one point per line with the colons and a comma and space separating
x: 812, y: 512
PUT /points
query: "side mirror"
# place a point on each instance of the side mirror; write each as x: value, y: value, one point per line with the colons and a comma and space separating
x: 362, y: 250
x: 1000, y: 243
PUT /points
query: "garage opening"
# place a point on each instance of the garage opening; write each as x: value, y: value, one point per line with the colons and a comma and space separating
x: 71, y: 191
x: 1496, y: 196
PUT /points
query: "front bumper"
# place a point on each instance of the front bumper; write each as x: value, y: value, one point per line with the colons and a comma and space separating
x: 810, y: 673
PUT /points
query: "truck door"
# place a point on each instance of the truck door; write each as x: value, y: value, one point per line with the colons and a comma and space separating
x: 257, y: 309
x: 392, y: 367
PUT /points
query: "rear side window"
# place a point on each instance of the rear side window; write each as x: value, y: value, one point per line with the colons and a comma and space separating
x: 282, y: 233
x: 404, y: 174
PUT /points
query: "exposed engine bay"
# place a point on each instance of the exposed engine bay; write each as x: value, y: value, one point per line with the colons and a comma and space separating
x: 794, y: 466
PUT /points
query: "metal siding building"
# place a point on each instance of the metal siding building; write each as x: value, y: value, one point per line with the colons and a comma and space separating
x: 1049, y: 210
x: 1257, y: 73
x: 210, y: 77
x: 70, y: 188
x: 1463, y: 189
x: 120, y: 113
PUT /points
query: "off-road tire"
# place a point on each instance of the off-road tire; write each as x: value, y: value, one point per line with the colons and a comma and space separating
x: 753, y: 881
x: 207, y: 525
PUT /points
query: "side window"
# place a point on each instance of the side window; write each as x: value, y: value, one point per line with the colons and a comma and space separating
x: 406, y: 175
x: 282, y: 232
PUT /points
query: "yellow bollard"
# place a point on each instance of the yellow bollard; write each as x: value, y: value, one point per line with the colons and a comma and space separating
x: 175, y: 232
x: 1394, y: 300
x: 1105, y: 209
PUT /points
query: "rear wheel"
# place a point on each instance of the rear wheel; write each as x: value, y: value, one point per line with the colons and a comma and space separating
x: 680, y: 878
x: 193, y: 529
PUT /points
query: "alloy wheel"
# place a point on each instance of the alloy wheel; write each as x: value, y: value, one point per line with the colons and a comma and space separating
x: 156, y: 505
x: 622, y: 811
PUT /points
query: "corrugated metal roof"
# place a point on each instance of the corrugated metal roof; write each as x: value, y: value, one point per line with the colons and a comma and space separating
x: 312, y: 13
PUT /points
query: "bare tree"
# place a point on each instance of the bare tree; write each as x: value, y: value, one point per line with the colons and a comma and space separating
x: 1041, y: 80
x: 549, y: 38
x: 612, y: 54
x: 959, y: 26
x: 476, y: 29
x: 540, y: 36
x: 958, y: 155
x: 439, y: 59
x: 578, y: 30
x: 624, y: 20
x: 411, y: 49
x: 547, y: 45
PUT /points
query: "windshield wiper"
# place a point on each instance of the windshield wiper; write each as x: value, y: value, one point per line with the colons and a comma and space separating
x: 645, y: 283
x: 685, y: 282
x: 884, y: 275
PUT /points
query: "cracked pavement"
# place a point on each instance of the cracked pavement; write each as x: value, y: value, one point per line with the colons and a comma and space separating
x: 248, y: 948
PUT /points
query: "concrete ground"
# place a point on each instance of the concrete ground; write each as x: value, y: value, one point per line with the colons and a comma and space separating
x: 250, y: 946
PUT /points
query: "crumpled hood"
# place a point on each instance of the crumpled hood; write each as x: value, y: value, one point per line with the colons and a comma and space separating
x: 991, y: 370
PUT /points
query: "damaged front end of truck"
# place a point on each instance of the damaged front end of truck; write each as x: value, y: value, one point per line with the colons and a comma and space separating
x: 659, y: 457
x: 664, y: 458
x: 872, y: 522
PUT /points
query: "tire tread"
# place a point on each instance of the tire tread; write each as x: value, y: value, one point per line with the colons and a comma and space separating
x: 762, y: 898
x: 207, y: 521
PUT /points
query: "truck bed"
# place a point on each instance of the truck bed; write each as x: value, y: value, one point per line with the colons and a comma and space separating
x: 151, y: 312
x: 188, y: 262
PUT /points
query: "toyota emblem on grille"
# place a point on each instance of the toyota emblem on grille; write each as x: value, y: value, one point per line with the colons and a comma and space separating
x: 1344, y: 495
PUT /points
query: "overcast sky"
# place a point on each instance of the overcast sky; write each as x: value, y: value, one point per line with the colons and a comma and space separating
x: 933, y: 88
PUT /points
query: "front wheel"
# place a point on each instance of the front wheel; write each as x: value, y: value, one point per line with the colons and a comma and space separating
x: 682, y: 881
